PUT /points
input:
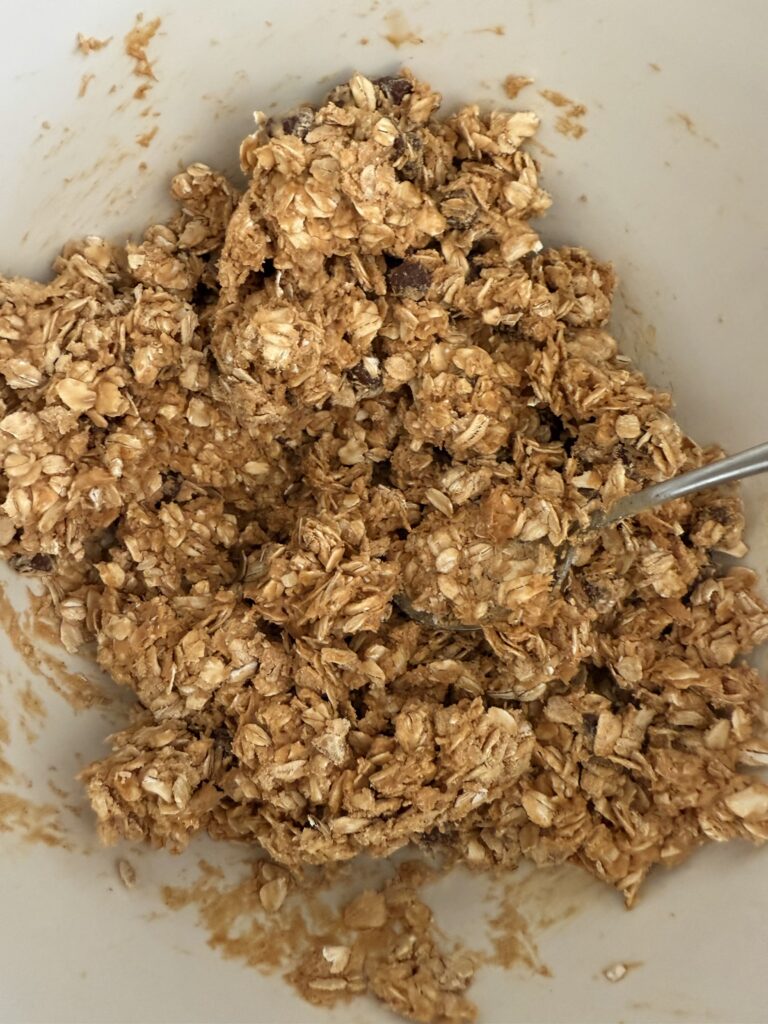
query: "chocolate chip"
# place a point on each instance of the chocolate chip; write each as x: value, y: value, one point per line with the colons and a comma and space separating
x: 366, y: 373
x: 720, y: 514
x: 300, y: 123
x: 629, y: 456
x: 409, y: 160
x: 395, y: 88
x: 410, y: 279
x: 459, y: 209
x: 32, y: 563
x: 172, y: 482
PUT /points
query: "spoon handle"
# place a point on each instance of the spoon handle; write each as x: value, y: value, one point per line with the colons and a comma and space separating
x: 735, y: 467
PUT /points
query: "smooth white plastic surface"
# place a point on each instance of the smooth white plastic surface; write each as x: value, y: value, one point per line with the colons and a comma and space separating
x: 673, y: 167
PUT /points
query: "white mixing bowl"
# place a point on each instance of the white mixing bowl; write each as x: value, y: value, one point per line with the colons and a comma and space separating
x: 673, y: 167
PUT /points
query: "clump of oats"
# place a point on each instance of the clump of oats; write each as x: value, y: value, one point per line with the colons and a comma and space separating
x: 228, y: 448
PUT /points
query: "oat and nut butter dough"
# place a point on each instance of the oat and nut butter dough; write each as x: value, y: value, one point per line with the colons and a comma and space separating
x: 228, y: 448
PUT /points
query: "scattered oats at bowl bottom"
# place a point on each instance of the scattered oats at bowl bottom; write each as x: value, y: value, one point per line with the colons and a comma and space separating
x: 228, y: 448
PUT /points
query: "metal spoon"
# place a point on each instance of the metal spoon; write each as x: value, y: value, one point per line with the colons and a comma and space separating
x: 735, y: 467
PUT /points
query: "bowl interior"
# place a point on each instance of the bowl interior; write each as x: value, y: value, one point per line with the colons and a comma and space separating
x: 668, y: 182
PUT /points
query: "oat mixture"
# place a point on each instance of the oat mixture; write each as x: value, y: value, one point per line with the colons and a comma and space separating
x: 227, y: 449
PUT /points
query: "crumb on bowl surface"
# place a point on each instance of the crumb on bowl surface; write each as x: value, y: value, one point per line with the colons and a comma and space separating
x: 226, y: 449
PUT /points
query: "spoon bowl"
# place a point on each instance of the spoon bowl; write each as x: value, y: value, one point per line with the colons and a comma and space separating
x: 734, y: 467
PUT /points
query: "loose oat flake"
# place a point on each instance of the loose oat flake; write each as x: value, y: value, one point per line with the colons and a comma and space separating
x: 227, y: 448
x: 126, y: 873
x: 615, y: 972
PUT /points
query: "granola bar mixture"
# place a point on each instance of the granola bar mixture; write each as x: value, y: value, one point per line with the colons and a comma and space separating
x: 229, y: 448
